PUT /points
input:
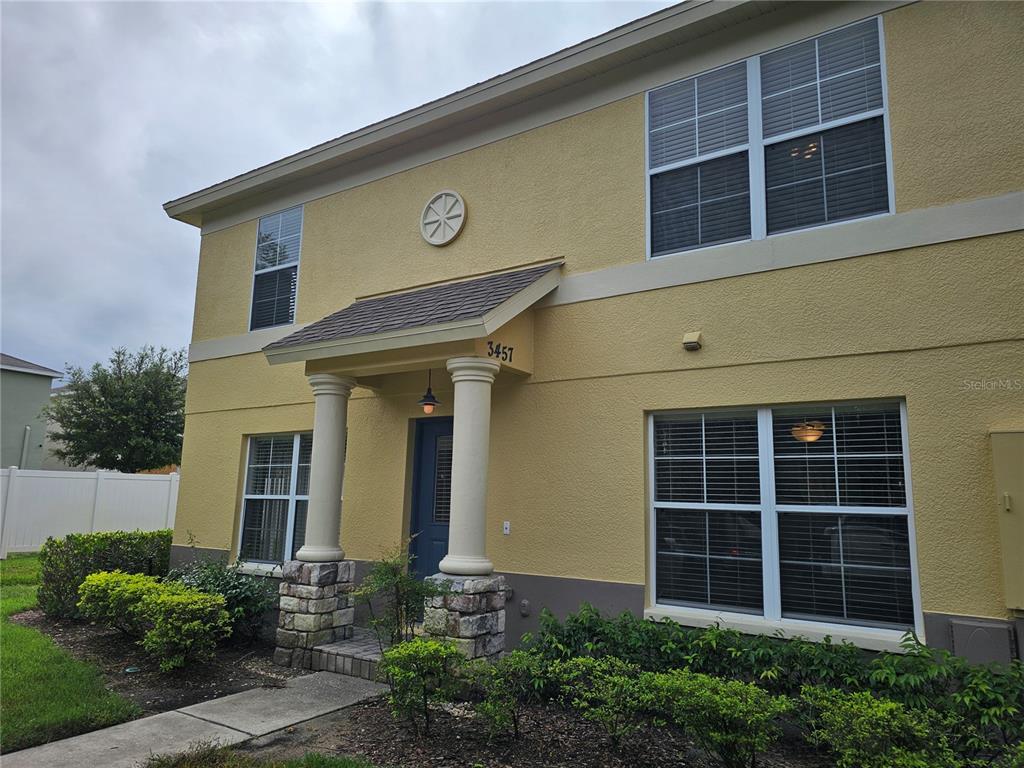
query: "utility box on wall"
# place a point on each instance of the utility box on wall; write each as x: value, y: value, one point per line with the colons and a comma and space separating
x: 1008, y: 468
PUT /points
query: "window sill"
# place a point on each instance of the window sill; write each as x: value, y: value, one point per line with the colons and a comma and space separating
x: 260, y: 569
x: 871, y: 638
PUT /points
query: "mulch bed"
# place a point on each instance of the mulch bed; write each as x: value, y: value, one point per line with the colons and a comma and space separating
x: 551, y: 737
x: 232, y: 670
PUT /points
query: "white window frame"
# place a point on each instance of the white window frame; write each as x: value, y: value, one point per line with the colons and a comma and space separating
x: 772, y: 620
x: 256, y: 272
x: 291, y: 497
x: 756, y: 144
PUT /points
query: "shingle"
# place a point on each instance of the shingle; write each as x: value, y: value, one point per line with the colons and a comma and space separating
x: 10, y: 361
x: 437, y: 304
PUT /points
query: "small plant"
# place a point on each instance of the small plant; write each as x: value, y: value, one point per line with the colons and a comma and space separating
x: 733, y: 720
x: 865, y: 732
x: 606, y: 691
x: 247, y: 598
x: 66, y: 562
x: 395, y: 597
x: 419, y: 672
x: 177, y: 624
x: 511, y: 683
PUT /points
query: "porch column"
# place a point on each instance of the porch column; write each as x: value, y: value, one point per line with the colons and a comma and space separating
x: 327, y: 468
x: 472, y: 377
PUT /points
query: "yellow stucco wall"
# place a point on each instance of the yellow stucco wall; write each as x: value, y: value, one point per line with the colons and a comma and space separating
x: 567, y: 453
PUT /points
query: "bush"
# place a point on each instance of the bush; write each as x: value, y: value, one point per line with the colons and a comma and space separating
x: 732, y: 720
x: 395, y: 597
x: 66, y: 562
x: 177, y: 624
x: 515, y: 680
x: 419, y: 672
x: 606, y: 691
x: 865, y: 732
x: 247, y: 598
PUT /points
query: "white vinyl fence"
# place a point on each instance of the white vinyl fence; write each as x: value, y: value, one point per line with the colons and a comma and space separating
x: 35, y: 504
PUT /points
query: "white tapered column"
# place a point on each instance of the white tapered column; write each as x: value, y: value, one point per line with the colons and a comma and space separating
x: 472, y: 377
x: 327, y: 468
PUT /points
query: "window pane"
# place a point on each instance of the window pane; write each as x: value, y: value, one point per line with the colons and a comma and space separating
x: 305, y: 461
x: 678, y: 436
x: 849, y: 94
x: 270, y: 466
x: 263, y: 530
x: 299, y: 533
x: 443, y: 479
x: 733, y: 481
x: 830, y: 176
x: 805, y: 480
x: 273, y: 301
x: 708, y: 457
x: 672, y: 104
x: 709, y: 558
x: 679, y: 480
x: 850, y: 568
x: 853, y: 47
x: 700, y: 204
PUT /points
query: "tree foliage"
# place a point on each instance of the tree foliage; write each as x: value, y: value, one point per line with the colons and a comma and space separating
x: 127, y: 415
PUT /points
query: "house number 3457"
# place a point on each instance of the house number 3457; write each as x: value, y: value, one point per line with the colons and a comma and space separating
x: 500, y: 351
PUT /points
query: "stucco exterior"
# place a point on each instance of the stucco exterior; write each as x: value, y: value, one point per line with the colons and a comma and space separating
x: 933, y: 325
x: 24, y: 397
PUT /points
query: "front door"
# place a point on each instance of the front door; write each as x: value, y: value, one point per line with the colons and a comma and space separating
x: 431, y: 494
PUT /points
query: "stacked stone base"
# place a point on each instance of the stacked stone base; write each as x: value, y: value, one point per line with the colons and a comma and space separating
x: 471, y: 615
x: 316, y: 608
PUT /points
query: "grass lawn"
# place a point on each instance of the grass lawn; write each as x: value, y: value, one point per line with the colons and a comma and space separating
x: 219, y: 757
x: 45, y: 694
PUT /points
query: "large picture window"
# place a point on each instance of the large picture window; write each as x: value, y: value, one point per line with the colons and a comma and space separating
x: 276, y: 497
x: 789, y: 139
x: 797, y: 512
x: 275, y: 283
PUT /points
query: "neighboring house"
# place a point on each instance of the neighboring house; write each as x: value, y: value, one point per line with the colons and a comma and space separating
x: 24, y: 393
x: 731, y: 298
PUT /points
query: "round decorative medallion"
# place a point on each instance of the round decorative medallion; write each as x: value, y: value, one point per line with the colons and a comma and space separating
x: 443, y: 217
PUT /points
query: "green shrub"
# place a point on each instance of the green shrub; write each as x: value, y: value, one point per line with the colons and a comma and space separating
x: 732, y: 720
x: 177, y: 624
x: 66, y: 562
x: 419, y: 672
x: 247, y: 598
x: 866, y: 732
x: 510, y: 684
x: 395, y: 597
x: 606, y: 691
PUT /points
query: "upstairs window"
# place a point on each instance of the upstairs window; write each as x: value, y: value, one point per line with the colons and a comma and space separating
x: 278, y: 243
x: 790, y: 139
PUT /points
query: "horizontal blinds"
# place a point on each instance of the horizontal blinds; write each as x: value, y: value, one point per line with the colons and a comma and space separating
x: 829, y: 176
x: 270, y: 466
x: 700, y: 204
x: 443, y: 479
x: 305, y: 461
x: 263, y: 530
x: 834, y: 76
x: 698, y: 116
x: 851, y: 568
x: 299, y: 530
x: 273, y: 300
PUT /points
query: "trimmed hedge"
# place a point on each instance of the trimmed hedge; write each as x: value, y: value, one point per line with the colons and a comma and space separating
x: 66, y: 562
x: 177, y: 624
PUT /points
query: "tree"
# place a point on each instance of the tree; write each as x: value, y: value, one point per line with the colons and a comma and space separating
x: 128, y: 415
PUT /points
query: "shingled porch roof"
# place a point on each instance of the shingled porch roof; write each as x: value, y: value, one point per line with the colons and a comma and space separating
x: 454, y: 311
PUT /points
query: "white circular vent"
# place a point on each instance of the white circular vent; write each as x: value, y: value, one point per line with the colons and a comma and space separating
x: 443, y: 217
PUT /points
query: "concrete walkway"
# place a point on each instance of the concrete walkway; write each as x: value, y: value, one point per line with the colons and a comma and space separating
x: 228, y: 720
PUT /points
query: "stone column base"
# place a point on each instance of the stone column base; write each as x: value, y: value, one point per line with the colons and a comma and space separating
x: 316, y: 608
x: 471, y: 615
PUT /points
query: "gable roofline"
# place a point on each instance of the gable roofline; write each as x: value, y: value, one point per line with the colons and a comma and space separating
x: 16, y: 364
x: 589, y: 58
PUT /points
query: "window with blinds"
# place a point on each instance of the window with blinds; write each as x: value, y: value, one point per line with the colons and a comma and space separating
x: 275, y: 283
x: 795, y: 512
x: 276, y: 497
x: 809, y: 150
x: 697, y: 200
x: 707, y: 518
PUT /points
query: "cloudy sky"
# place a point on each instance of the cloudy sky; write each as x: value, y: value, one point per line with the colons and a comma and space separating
x: 111, y: 109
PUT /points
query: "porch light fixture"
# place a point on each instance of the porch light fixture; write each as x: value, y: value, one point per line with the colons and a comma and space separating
x: 808, y: 431
x: 428, y: 401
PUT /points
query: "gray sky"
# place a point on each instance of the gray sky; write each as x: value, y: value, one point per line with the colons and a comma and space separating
x: 111, y: 109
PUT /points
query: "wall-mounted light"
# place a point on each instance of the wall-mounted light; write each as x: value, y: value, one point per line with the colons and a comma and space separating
x: 808, y: 431
x: 692, y: 341
x: 428, y: 401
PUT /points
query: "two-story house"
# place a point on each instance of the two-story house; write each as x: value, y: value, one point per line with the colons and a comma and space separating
x: 718, y: 316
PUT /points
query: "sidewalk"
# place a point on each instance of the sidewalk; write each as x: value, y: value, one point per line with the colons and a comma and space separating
x: 229, y: 720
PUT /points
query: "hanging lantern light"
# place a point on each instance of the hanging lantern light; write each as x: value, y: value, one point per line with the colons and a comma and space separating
x: 428, y: 401
x: 808, y: 431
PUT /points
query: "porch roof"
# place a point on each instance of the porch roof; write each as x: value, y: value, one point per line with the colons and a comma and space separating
x: 456, y: 311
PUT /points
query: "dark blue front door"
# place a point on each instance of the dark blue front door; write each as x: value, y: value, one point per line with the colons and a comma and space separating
x: 431, y: 494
